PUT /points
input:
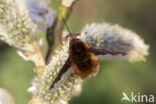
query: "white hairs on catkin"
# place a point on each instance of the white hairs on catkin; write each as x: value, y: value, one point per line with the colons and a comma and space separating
x: 62, y: 91
x: 101, y: 36
x: 16, y: 28
x: 40, y: 13
x: 115, y: 38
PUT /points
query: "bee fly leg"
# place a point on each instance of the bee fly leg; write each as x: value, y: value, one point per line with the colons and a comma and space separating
x: 103, y: 52
x: 64, y: 69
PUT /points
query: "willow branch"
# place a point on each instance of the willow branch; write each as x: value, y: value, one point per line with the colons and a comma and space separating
x: 54, y: 34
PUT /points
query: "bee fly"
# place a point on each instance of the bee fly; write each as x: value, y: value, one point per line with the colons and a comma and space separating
x: 82, y: 58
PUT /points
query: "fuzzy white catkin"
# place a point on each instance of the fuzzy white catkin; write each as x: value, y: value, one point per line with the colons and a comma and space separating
x: 116, y: 38
x: 101, y: 36
x: 5, y: 97
x: 16, y: 28
x: 62, y: 90
x: 40, y: 13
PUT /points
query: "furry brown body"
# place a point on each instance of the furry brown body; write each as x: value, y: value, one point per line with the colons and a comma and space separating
x: 84, y: 62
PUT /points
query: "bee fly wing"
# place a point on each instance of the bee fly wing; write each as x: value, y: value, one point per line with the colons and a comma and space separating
x: 64, y: 69
x: 104, y: 52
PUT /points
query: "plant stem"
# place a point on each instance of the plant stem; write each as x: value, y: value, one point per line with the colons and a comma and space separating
x: 54, y: 34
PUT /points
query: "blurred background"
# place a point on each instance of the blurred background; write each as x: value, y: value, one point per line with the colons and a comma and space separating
x: 114, y: 77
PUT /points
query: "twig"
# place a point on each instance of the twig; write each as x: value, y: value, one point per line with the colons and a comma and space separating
x: 64, y: 10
